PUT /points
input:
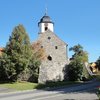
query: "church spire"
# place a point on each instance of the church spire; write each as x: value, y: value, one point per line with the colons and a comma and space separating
x: 46, y: 11
x: 45, y: 23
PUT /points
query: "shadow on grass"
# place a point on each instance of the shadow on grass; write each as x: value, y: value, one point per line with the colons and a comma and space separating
x: 49, y: 86
x: 69, y: 87
x: 74, y: 88
x: 5, y: 82
x: 66, y: 87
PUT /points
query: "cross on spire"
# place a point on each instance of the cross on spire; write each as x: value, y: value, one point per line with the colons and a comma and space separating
x: 46, y: 10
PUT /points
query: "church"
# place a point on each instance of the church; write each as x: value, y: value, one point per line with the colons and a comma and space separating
x: 52, y: 68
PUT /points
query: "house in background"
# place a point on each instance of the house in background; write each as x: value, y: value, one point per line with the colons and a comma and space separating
x: 1, y: 50
x: 94, y: 67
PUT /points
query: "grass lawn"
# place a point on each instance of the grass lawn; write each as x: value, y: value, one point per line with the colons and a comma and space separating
x: 20, y: 85
x: 30, y: 86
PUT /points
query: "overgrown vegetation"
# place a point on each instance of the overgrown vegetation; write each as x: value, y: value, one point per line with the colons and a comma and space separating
x: 98, y: 92
x: 76, y: 69
x: 38, y: 55
x: 18, y: 61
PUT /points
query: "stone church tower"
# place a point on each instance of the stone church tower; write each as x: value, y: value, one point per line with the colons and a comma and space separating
x: 52, y: 67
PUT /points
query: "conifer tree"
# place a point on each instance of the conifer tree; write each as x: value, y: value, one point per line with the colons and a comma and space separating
x: 17, y: 53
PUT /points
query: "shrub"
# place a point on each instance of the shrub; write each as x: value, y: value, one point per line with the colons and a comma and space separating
x: 98, y: 92
x: 75, y: 69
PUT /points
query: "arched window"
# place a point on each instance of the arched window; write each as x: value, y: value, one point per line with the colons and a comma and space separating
x: 46, y: 28
x: 49, y: 38
x: 56, y: 47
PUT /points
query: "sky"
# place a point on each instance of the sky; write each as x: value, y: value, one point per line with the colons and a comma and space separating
x: 75, y: 21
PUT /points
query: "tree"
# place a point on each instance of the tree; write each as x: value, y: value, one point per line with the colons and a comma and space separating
x: 77, y: 64
x: 75, y: 69
x: 77, y: 48
x: 37, y: 56
x: 17, y: 53
x: 78, y: 51
x: 5, y: 70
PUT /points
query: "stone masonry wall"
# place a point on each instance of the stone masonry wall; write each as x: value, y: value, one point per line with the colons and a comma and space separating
x: 52, y: 67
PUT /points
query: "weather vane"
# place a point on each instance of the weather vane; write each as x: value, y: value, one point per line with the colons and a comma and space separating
x: 46, y: 10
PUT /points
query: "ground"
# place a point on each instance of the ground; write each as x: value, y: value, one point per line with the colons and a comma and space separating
x: 84, y: 91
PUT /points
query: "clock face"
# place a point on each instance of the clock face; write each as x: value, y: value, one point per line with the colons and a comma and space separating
x: 46, y: 24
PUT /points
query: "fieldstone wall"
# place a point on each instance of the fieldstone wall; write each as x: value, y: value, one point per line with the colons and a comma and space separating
x: 52, y: 67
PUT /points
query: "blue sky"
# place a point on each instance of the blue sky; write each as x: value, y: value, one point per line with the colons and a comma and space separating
x: 76, y: 21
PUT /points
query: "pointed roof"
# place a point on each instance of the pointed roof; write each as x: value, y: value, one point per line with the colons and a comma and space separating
x: 45, y: 18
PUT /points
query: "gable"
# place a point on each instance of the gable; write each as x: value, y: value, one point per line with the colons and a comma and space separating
x: 50, y: 36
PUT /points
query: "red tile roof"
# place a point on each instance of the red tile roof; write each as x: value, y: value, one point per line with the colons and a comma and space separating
x: 1, y: 50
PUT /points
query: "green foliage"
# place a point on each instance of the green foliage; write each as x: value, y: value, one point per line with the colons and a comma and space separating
x: 19, y: 60
x: 7, y: 70
x: 34, y: 68
x: 75, y: 69
x: 78, y: 51
x: 98, y: 92
x: 37, y: 56
x: 17, y: 56
x: 82, y: 59
x: 76, y: 48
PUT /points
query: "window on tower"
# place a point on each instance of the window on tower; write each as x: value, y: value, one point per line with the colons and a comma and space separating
x: 46, y: 28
